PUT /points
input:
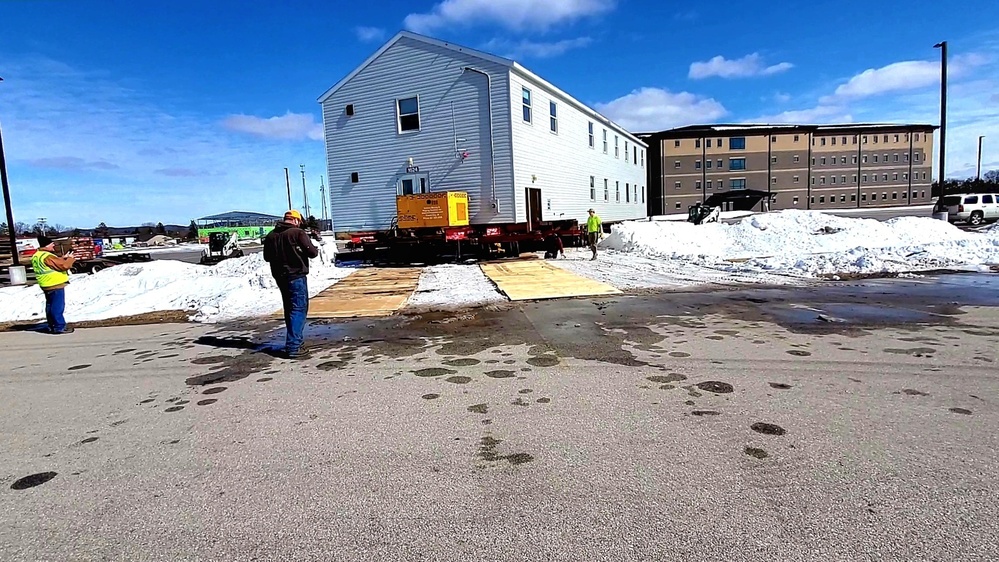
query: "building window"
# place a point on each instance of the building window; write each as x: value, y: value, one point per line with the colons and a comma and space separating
x: 813, y: 181
x: 832, y: 180
x: 643, y: 157
x: 409, y: 114
x: 773, y: 159
x: 617, y: 150
x: 854, y: 139
x: 677, y: 204
x: 905, y: 176
x: 737, y: 184
x: 905, y: 195
x: 773, y: 138
x: 894, y: 157
x: 853, y: 197
x: 833, y: 141
x: 635, y: 188
x: 627, y: 193
x: 844, y: 140
x: 863, y: 197
x: 894, y: 195
x: 593, y: 189
x: 794, y: 179
x: 813, y: 160
x: 795, y: 202
x: 553, y: 117
x: 884, y: 196
x: 915, y: 137
x: 795, y: 140
x: 823, y: 160
x: 697, y: 184
x: 895, y: 176
x: 707, y: 143
x: 822, y: 142
x: 721, y: 164
x: 526, y: 94
x: 822, y: 198
x: 625, y: 151
x: 707, y: 185
x: 736, y: 163
x: 842, y: 179
x: 896, y: 138
x: 864, y: 178
x: 864, y: 158
x: 875, y: 137
x: 796, y: 159
x: 634, y: 156
x: 707, y: 164
x: 884, y: 177
x: 842, y: 159
x: 865, y: 139
x: 854, y: 160
x: 697, y: 164
x: 886, y: 138
x: 721, y: 184
x: 590, y: 130
x: 773, y: 181
x: 677, y: 185
x: 643, y: 194
x: 875, y: 158
x: 676, y: 164
x: 617, y: 192
x: 676, y: 144
x: 915, y: 157
x: 905, y: 157
x: 854, y: 180
x: 737, y: 143
x: 842, y: 198
x: 697, y: 143
x: 606, y: 191
x: 822, y: 180
x: 605, y: 141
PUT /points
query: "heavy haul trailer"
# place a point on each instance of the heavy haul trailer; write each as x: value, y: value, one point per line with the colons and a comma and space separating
x: 433, y: 227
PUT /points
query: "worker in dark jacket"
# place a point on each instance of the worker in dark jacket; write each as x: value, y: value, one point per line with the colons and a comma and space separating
x: 288, y: 249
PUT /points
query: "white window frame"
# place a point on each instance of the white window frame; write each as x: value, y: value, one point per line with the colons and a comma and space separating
x: 399, y: 115
x: 617, y: 147
x: 593, y: 188
x: 553, y: 117
x: 605, y: 141
x: 527, y: 105
x: 593, y: 142
x: 421, y: 183
x: 606, y: 190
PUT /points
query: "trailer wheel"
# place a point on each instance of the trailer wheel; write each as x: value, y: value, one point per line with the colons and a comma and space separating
x: 95, y: 268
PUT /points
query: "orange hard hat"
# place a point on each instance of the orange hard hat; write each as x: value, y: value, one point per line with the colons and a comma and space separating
x: 293, y: 214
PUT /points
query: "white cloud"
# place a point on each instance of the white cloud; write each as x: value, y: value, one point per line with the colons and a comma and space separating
x: 369, y: 34
x: 903, y: 76
x: 517, y: 15
x: 534, y: 49
x: 818, y: 115
x: 290, y: 126
x: 71, y: 163
x: 654, y: 109
x: 749, y: 65
x: 781, y: 97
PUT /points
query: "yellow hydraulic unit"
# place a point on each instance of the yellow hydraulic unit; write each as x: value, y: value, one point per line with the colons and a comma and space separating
x: 432, y: 210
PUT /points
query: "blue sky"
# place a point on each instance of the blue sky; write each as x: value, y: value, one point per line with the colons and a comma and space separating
x: 128, y: 112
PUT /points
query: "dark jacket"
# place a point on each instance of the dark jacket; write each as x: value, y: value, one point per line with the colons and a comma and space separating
x: 288, y: 249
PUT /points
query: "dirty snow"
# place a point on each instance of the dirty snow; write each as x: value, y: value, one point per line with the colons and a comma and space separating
x: 237, y: 287
x: 445, y: 287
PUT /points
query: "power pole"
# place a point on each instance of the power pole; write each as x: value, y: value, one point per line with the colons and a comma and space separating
x: 287, y: 183
x: 6, y: 201
x: 305, y: 194
x: 943, y: 110
x: 322, y: 194
x: 978, y: 173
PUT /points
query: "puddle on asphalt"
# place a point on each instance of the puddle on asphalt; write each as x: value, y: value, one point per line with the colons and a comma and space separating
x: 499, y: 374
x: 767, y: 428
x: 33, y: 480
x: 487, y: 452
x: 756, y: 452
x: 715, y: 387
x: 433, y: 372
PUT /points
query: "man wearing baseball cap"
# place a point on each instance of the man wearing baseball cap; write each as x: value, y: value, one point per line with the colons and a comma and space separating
x: 288, y: 249
x: 52, y: 275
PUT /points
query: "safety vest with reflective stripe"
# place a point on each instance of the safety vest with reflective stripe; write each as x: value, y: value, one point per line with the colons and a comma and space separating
x: 45, y: 275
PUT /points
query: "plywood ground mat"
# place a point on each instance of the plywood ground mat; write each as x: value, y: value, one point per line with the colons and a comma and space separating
x: 537, y: 279
x: 377, y: 291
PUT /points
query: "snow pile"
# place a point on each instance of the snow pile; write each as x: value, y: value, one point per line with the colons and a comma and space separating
x: 454, y: 286
x: 234, y: 288
x: 810, y: 243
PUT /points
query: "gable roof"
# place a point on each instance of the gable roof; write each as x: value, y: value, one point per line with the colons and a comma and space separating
x: 501, y: 61
x: 416, y: 37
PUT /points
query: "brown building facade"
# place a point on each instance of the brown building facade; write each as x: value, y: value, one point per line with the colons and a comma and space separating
x: 799, y: 166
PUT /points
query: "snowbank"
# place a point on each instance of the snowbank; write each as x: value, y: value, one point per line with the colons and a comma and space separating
x: 234, y: 288
x: 810, y: 243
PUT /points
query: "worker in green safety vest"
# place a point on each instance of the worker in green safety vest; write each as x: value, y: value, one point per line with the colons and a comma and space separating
x: 593, y: 232
x: 51, y: 272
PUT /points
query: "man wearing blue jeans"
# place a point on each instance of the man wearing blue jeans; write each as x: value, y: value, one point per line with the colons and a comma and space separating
x: 288, y: 249
x: 52, y: 275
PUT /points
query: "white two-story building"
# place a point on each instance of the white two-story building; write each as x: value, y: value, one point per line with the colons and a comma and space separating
x: 422, y: 115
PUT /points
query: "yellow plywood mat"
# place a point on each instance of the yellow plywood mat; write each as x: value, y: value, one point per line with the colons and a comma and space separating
x: 376, y: 291
x: 537, y: 279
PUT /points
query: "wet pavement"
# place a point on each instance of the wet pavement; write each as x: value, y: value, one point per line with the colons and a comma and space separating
x: 848, y: 421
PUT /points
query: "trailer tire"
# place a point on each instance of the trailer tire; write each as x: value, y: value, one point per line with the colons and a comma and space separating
x: 95, y: 268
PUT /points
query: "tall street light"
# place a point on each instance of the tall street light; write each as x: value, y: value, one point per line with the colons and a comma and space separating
x: 943, y: 110
x: 978, y: 173
x: 6, y: 202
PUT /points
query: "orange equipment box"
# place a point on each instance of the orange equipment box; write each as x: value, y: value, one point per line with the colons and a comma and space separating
x: 432, y: 210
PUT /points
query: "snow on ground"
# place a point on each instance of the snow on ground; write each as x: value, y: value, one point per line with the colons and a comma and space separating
x: 237, y: 287
x: 806, y: 244
x: 453, y: 286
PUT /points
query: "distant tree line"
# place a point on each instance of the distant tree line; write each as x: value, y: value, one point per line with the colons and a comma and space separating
x: 988, y: 184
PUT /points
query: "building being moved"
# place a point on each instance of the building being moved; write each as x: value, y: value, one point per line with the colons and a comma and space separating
x: 422, y: 115
x: 798, y: 166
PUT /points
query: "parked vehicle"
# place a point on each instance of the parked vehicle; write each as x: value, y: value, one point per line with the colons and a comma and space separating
x: 972, y: 208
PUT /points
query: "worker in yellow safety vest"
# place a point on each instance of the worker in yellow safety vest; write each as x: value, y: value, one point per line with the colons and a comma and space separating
x: 593, y: 232
x: 51, y: 272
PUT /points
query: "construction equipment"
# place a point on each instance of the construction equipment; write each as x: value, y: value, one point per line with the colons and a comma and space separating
x: 701, y: 214
x: 221, y: 246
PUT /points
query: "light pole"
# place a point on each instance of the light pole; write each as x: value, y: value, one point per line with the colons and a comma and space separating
x: 943, y: 111
x: 6, y: 202
x: 305, y: 194
x: 978, y: 173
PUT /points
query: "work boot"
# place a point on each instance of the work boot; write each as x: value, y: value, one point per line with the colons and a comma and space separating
x: 300, y: 353
x: 66, y: 330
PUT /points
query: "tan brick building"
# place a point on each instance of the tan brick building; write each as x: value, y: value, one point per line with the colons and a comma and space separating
x: 798, y: 166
